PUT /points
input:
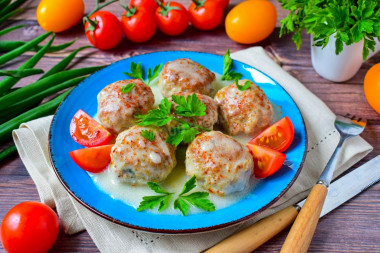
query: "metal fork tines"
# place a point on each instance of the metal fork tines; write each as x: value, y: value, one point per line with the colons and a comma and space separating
x: 347, y: 127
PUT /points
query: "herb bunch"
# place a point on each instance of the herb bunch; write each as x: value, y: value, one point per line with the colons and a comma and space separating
x: 190, y: 107
x: 350, y: 21
x: 138, y: 73
x: 182, y: 202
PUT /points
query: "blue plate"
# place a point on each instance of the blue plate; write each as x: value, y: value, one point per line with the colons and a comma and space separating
x: 79, y: 184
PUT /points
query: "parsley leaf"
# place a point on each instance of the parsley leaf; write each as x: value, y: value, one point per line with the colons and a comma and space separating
x: 136, y: 71
x: 191, y: 106
x: 157, y: 117
x: 150, y: 202
x: 147, y: 134
x: 153, y: 74
x: 244, y: 87
x: 127, y: 88
x: 227, y: 73
x: 181, y: 133
x: 182, y: 206
x: 189, y: 185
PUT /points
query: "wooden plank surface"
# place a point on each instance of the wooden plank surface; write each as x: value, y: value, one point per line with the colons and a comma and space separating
x: 353, y: 227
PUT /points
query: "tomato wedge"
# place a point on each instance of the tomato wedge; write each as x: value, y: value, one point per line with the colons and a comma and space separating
x: 278, y: 136
x: 266, y: 160
x: 88, y: 132
x: 95, y: 159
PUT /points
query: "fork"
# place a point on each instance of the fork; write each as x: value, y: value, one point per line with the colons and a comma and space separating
x: 302, y: 231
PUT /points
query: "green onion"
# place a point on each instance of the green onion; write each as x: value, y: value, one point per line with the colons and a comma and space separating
x: 7, y: 152
x: 9, y: 45
x: 43, y: 84
x: 11, y: 7
x: 4, y: 3
x: 8, y: 82
x: 18, y: 51
x: 8, y: 15
x: 40, y: 111
x: 19, y: 73
x: 64, y: 63
x: 8, y: 30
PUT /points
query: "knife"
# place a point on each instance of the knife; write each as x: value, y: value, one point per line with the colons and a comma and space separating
x: 339, y: 192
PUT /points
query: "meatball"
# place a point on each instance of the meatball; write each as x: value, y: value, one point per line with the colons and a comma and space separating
x: 136, y: 160
x: 220, y: 163
x: 185, y: 75
x: 116, y: 109
x: 248, y: 111
x: 208, y: 120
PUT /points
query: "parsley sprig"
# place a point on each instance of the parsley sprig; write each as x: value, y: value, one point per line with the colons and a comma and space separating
x: 147, y: 134
x: 229, y: 74
x: 197, y: 199
x: 136, y: 71
x: 349, y: 21
x: 243, y: 87
x: 190, y: 107
x: 127, y: 88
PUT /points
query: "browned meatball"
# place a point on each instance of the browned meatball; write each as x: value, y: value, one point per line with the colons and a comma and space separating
x: 116, y: 109
x: 185, y: 75
x: 248, y: 111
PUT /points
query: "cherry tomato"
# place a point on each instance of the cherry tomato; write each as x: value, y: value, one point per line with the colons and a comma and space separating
x: 88, y: 132
x: 95, y: 159
x: 139, y: 25
x: 278, y: 136
x: 29, y: 227
x: 372, y: 87
x: 266, y: 160
x: 149, y: 5
x: 205, y: 15
x: 106, y: 31
x: 172, y: 18
x: 222, y: 3
x: 59, y: 15
x: 251, y: 21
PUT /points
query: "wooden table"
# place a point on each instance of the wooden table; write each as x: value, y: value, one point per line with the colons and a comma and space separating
x: 353, y: 227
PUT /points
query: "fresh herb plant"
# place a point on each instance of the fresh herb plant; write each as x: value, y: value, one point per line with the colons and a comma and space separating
x: 147, y: 134
x: 350, y: 21
x: 137, y: 72
x: 127, y: 88
x: 190, y: 107
x: 197, y: 199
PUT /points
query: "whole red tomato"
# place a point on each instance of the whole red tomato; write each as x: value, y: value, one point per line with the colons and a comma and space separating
x: 29, y: 227
x: 149, y: 5
x: 222, y: 3
x: 205, y: 15
x: 172, y: 18
x: 103, y: 30
x: 139, y: 25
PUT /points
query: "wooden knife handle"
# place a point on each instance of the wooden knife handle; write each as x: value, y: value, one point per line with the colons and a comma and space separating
x: 302, y: 231
x: 255, y: 235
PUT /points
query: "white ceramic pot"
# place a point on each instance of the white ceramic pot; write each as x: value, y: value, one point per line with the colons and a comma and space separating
x: 338, y: 68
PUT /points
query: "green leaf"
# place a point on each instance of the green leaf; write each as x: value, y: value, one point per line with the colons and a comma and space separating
x: 244, y: 87
x: 227, y: 73
x: 147, y: 134
x: 181, y: 133
x: 150, y: 202
x: 136, y: 71
x: 199, y: 200
x: 165, y: 106
x: 182, y: 206
x: 157, y: 117
x: 153, y: 74
x: 192, y: 106
x: 157, y: 188
x: 189, y: 185
x: 127, y: 88
x: 164, y: 203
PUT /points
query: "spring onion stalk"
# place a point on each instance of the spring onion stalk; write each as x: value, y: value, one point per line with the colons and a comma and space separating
x: 7, y: 152
x: 10, y: 29
x: 9, y: 45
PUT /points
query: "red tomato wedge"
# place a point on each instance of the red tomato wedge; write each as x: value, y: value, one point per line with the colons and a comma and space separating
x: 266, y: 160
x: 95, y: 159
x: 87, y: 132
x: 278, y: 136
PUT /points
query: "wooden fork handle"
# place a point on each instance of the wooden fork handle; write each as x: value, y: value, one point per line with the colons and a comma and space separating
x: 257, y: 234
x: 302, y: 231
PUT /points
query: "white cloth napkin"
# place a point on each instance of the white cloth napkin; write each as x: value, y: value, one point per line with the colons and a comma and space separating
x: 32, y: 143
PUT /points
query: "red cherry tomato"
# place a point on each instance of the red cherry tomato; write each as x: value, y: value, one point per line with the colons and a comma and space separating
x: 222, y: 3
x: 172, y: 18
x: 149, y: 5
x: 106, y: 31
x: 95, y: 159
x: 205, y: 15
x: 266, y: 160
x: 87, y: 132
x: 139, y: 25
x: 278, y: 136
x: 29, y: 227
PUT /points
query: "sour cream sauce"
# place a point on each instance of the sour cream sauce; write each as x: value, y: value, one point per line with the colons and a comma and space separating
x: 132, y: 195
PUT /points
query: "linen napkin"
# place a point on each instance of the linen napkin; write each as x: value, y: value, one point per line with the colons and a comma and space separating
x: 32, y: 143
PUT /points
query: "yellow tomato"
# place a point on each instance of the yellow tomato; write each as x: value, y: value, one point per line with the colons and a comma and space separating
x: 251, y: 21
x: 59, y: 15
x: 372, y: 87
